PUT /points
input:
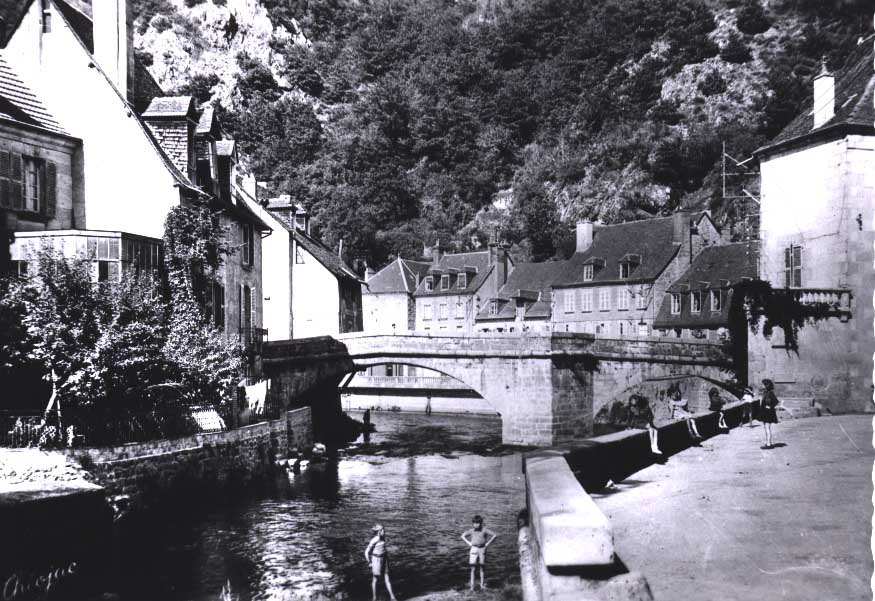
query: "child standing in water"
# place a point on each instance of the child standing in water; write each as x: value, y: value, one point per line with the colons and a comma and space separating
x: 478, y: 538
x: 378, y: 558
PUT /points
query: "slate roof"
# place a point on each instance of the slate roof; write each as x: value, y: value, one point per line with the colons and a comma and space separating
x: 715, y: 268
x: 651, y: 239
x: 458, y: 262
x: 854, y: 110
x: 324, y: 255
x: 525, y: 278
x: 170, y: 106
x: 21, y: 104
x: 398, y: 276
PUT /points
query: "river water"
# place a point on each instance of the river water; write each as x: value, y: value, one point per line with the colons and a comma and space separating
x: 304, y: 536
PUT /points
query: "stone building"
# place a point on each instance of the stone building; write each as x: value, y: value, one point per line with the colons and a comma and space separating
x: 387, y: 297
x: 618, y: 275
x: 101, y: 155
x: 323, y: 295
x: 524, y: 303
x: 451, y: 295
x: 696, y: 305
x: 818, y: 196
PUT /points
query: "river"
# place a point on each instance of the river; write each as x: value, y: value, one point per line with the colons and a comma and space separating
x: 304, y: 536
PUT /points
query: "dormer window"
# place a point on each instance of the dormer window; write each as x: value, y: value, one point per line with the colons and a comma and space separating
x: 675, y: 304
x: 445, y: 282
x: 625, y: 269
x: 462, y: 281
x: 696, y: 302
x: 627, y: 263
x: 493, y: 307
x: 429, y: 283
x: 715, y: 301
x: 588, y: 273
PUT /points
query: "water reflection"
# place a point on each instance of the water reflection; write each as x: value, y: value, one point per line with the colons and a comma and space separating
x: 307, y: 537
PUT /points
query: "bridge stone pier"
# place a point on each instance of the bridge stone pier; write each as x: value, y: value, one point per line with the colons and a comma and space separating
x: 544, y: 386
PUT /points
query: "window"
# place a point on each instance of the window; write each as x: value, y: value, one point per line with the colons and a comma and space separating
x: 247, y: 244
x: 27, y: 184
x: 18, y: 268
x: 428, y: 312
x: 605, y: 299
x: 623, y: 299
x: 715, y: 301
x: 217, y: 305
x: 429, y: 283
x: 445, y: 282
x: 675, y: 304
x: 621, y: 328
x: 462, y: 281
x: 587, y: 273
x: 641, y: 300
x: 442, y: 311
x: 696, y: 302
x: 569, y: 301
x: 299, y: 256
x: 460, y: 310
x: 643, y: 329
x: 624, y: 271
x: 245, y: 309
x: 586, y: 300
x: 793, y: 267
x: 493, y: 307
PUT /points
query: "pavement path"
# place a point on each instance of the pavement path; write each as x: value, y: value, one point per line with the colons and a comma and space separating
x: 729, y: 520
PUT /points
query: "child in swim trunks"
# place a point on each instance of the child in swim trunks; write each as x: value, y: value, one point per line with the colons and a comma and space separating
x: 378, y: 558
x: 478, y: 538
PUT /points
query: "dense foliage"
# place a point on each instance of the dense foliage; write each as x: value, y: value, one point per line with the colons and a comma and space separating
x: 130, y: 354
x: 403, y: 122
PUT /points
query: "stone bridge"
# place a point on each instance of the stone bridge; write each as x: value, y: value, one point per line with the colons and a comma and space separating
x: 546, y: 387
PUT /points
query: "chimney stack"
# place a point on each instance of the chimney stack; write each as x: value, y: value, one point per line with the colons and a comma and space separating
x: 436, y: 254
x: 114, y: 42
x: 680, y: 221
x: 584, y: 235
x: 824, y: 96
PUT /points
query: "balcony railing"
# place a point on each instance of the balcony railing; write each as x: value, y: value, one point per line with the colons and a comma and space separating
x: 253, y: 339
x: 423, y: 382
x: 839, y: 299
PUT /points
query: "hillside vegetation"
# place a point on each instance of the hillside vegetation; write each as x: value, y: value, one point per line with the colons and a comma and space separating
x: 403, y: 122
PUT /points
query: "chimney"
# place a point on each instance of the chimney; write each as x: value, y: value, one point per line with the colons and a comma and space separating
x: 369, y: 272
x: 114, y: 42
x: 680, y: 221
x: 584, y: 235
x: 498, y: 257
x: 436, y: 254
x: 250, y: 186
x: 172, y: 120
x: 824, y: 96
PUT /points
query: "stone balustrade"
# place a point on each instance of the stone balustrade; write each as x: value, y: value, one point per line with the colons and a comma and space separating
x: 838, y: 298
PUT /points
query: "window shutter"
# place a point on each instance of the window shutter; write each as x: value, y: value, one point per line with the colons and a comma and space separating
x: 50, y: 189
x: 797, y: 266
x: 15, y: 193
x: 221, y: 304
x: 5, y: 163
x: 788, y: 263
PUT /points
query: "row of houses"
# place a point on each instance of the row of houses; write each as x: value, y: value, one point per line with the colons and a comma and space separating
x: 93, y: 156
x: 669, y: 276
x: 674, y: 276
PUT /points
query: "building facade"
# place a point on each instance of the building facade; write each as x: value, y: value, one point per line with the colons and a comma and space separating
x: 818, y: 198
x: 616, y: 279
x: 388, y: 305
x: 451, y: 295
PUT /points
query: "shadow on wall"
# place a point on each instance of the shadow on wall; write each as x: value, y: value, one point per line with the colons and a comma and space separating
x: 619, y: 455
x: 614, y: 414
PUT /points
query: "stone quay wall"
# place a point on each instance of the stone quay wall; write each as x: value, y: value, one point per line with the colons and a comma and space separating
x: 146, y: 474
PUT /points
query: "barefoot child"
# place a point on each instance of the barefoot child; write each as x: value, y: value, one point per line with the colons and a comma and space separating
x: 377, y: 557
x: 478, y: 538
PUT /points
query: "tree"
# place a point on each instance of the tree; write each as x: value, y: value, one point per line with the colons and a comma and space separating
x: 751, y: 18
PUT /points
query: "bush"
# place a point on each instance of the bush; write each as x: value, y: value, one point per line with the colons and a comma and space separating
x: 161, y: 23
x: 751, y: 18
x: 713, y: 83
x: 735, y: 51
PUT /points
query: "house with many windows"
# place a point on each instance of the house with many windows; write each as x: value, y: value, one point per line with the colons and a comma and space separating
x: 618, y: 275
x: 456, y: 286
x: 696, y: 305
x: 524, y: 303
x: 818, y: 198
x: 93, y: 156
x: 387, y: 297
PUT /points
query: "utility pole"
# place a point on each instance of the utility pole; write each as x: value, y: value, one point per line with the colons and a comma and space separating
x: 738, y: 179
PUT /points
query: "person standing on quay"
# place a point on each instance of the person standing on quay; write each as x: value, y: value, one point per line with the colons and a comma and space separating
x: 478, y: 538
x: 768, y: 413
x: 377, y: 557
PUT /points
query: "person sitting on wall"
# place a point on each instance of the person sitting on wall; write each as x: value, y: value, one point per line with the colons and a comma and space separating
x: 680, y: 410
x: 715, y: 403
x: 641, y: 416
